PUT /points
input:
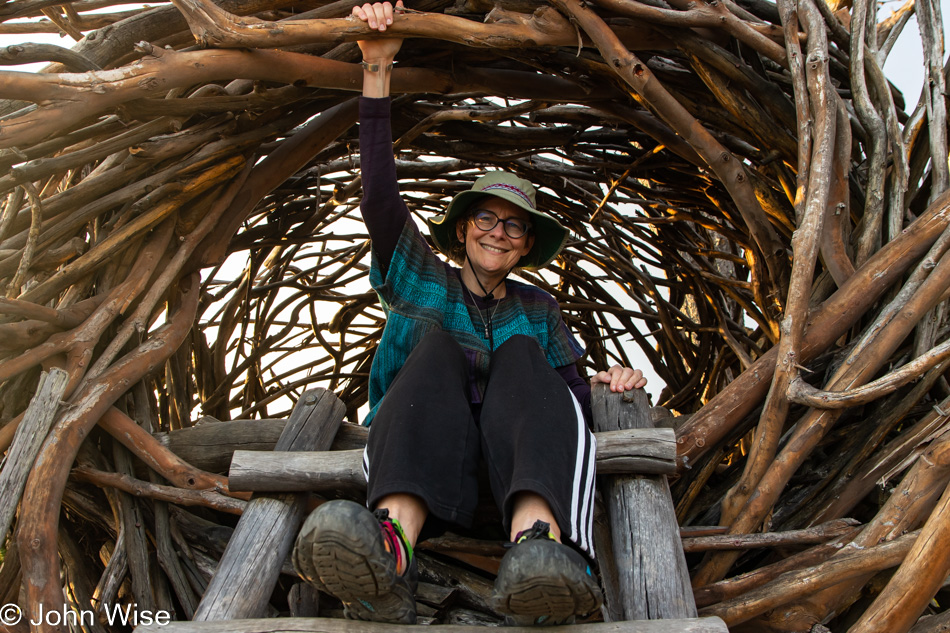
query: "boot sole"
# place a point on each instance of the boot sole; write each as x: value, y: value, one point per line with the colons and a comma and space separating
x: 541, y: 585
x: 340, y: 551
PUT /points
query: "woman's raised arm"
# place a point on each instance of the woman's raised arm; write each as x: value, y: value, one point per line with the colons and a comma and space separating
x: 383, y: 209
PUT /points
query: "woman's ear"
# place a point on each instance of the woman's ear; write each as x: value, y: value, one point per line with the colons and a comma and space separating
x: 460, y: 227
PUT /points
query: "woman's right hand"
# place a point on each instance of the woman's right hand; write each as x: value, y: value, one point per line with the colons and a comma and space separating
x: 379, y: 15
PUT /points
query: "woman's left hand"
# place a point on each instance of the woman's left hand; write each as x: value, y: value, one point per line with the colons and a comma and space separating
x: 620, y: 378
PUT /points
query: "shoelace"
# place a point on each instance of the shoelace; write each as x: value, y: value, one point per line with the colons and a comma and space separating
x: 540, y: 530
x: 395, y: 540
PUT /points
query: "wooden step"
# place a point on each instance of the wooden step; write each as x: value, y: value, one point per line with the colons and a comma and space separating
x: 640, y: 451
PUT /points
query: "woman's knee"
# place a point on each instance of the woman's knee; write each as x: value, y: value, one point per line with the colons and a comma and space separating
x: 518, y: 347
x: 436, y: 358
x: 439, y: 343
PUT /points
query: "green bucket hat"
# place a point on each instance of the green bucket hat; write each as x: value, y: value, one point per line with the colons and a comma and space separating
x: 549, y: 235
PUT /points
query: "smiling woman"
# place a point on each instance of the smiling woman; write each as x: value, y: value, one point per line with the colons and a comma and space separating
x: 471, y: 366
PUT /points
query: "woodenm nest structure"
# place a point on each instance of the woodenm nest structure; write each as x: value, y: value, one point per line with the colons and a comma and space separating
x: 752, y: 206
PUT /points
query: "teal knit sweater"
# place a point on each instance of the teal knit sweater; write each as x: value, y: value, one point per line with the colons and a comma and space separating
x: 420, y: 293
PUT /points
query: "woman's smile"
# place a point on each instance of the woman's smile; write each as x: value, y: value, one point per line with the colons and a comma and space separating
x: 494, y: 249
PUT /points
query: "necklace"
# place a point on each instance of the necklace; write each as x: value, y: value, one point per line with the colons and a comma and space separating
x: 487, y: 325
x: 488, y: 297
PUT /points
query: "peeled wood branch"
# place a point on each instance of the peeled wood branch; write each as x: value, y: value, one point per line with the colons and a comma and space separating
x: 171, y: 494
x: 934, y: 90
x: 912, y: 500
x: 216, y: 28
x: 737, y: 585
x: 916, y: 581
x: 871, y: 236
x: 891, y: 459
x: 730, y: 171
x: 78, y: 342
x: 122, y: 238
x: 138, y: 321
x: 875, y: 348
x: 36, y: 214
x: 27, y: 442
x: 44, y: 167
x: 816, y: 534
x: 806, y: 242
x: 41, y: 570
x: 68, y: 100
x: 875, y: 461
x: 32, y: 53
x: 835, y: 236
x: 157, y: 457
x: 62, y: 318
x: 719, y: 417
x: 802, y: 393
x: 795, y: 584
x: 760, y: 37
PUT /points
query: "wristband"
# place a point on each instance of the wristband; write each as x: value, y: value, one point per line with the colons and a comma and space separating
x: 374, y: 68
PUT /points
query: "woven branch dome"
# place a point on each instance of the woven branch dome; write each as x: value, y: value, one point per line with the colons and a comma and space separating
x: 755, y: 213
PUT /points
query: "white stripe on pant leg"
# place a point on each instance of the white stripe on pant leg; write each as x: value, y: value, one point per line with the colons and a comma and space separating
x: 581, y: 500
x: 366, y: 462
x: 591, y: 484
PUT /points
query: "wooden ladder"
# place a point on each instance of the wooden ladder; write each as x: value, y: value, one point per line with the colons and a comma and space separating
x: 641, y: 558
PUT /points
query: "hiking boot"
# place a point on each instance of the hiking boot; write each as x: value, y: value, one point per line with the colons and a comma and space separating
x: 543, y: 582
x: 360, y: 557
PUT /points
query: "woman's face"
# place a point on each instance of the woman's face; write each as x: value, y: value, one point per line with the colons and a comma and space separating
x: 494, y: 252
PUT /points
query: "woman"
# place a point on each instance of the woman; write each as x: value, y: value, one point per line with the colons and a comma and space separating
x: 471, y: 365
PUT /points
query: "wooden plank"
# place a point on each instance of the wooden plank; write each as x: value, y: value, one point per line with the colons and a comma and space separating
x: 318, y: 472
x: 27, y: 440
x: 327, y: 625
x: 210, y: 443
x: 247, y: 573
x: 643, y: 525
x: 626, y: 451
x: 645, y: 451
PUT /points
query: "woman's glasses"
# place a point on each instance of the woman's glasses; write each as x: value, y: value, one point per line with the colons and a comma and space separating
x: 486, y: 220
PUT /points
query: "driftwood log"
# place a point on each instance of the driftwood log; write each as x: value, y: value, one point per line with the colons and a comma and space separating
x: 649, y: 451
x: 756, y: 213
x: 646, y: 562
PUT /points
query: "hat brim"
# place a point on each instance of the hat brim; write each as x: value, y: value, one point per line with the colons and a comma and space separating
x: 549, y: 235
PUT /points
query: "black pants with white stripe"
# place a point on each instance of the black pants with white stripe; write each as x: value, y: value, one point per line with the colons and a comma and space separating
x: 426, y: 440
